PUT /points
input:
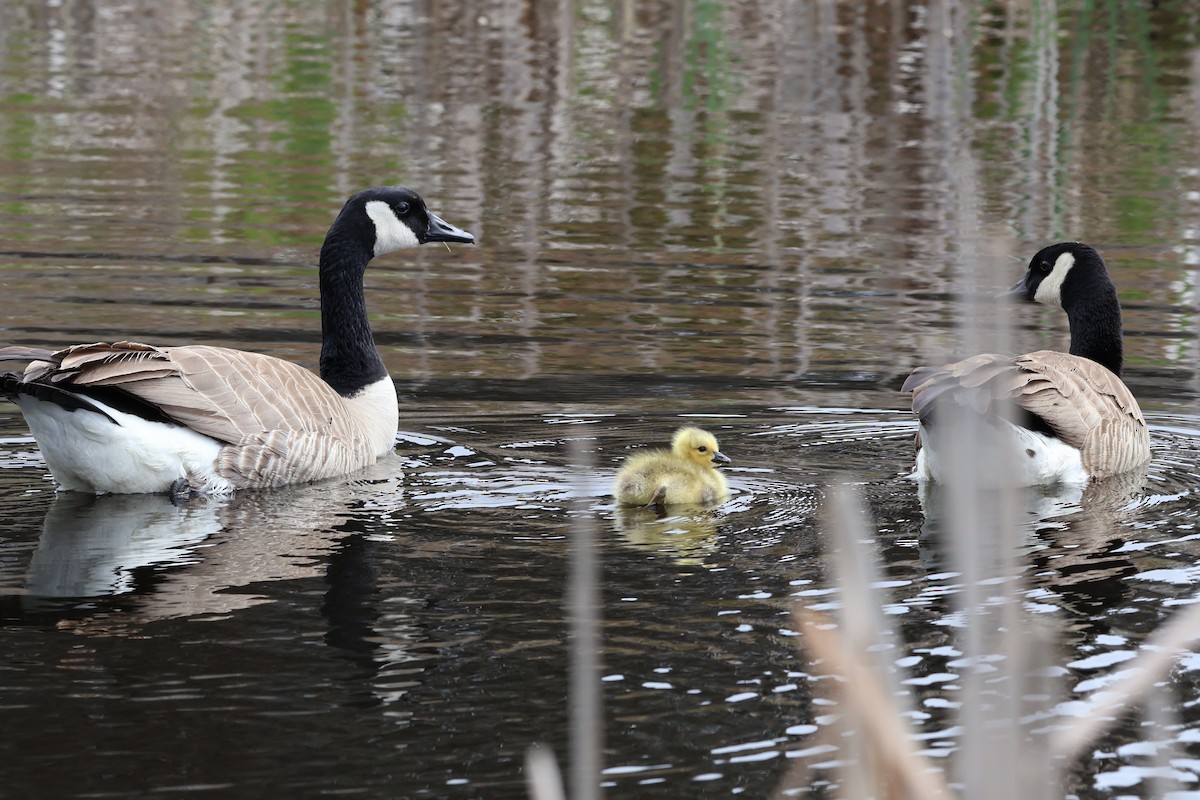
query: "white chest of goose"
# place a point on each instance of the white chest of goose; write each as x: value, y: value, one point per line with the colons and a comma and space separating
x: 127, y: 417
x: 1066, y: 417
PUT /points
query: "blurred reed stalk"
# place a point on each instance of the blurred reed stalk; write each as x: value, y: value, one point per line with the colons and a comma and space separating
x: 851, y: 649
x: 542, y: 777
x: 1112, y: 703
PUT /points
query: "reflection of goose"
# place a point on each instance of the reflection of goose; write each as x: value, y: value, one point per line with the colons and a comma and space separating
x: 91, y: 545
x: 128, y: 417
x: 685, y: 475
x: 1071, y: 416
x: 1073, y: 533
x: 1082, y: 552
x: 217, y: 556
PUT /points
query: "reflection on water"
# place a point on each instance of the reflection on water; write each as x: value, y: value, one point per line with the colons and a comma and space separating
x: 91, y: 546
x: 1074, y: 536
x: 728, y: 200
x: 751, y: 213
x: 193, y: 555
x: 685, y: 539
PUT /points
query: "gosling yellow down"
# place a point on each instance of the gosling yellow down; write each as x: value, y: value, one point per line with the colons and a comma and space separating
x: 685, y: 475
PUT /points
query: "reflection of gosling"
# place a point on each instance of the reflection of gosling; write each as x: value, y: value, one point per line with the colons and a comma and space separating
x: 687, y: 474
x: 687, y: 538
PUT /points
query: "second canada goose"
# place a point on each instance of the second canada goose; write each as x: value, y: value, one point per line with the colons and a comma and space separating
x: 685, y: 475
x: 1067, y: 417
x: 134, y: 418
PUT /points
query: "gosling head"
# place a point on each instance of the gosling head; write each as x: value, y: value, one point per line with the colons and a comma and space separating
x: 389, y: 218
x: 699, y: 447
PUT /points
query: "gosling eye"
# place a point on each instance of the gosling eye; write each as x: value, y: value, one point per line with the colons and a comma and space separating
x: 702, y: 449
x: 402, y: 208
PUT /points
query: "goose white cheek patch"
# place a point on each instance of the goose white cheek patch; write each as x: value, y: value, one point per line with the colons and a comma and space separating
x: 1049, y: 291
x: 390, y: 233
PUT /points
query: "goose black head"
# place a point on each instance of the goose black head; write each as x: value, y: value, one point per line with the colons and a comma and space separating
x: 1061, y: 275
x: 1072, y: 275
x: 389, y: 218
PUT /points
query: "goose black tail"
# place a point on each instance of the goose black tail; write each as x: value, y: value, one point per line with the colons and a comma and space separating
x: 13, y: 387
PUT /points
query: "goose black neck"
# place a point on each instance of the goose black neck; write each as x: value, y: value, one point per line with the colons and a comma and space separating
x: 349, y: 360
x: 1096, y: 331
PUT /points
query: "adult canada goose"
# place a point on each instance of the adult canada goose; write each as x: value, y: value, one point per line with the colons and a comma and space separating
x: 130, y: 418
x: 1066, y: 417
x: 687, y: 474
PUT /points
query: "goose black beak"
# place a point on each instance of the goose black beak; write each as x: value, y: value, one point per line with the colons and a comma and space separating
x: 720, y: 459
x: 441, y: 231
x: 1017, y: 293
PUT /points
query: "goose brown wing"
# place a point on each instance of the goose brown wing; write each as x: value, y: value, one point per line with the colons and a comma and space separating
x: 1088, y: 407
x: 222, y: 393
x: 1081, y: 402
x: 982, y: 383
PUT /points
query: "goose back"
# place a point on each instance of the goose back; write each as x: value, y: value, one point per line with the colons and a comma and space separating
x: 276, y: 422
x: 1074, y: 399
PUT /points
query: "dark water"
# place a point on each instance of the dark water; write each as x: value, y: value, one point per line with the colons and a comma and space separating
x: 757, y: 217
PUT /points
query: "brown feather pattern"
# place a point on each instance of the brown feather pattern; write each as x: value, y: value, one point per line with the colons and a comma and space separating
x: 280, y: 422
x: 1084, y: 403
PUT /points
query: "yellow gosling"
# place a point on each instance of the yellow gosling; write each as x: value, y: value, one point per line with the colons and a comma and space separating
x: 685, y: 475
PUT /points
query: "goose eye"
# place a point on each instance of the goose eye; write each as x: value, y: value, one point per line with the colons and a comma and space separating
x: 402, y: 208
x: 702, y: 449
x: 1044, y: 266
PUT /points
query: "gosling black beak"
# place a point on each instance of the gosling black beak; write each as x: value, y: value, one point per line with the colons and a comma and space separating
x: 441, y: 231
x: 1017, y: 293
x: 720, y: 458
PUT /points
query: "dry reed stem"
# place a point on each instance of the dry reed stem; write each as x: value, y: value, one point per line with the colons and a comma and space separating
x: 542, y: 777
x: 887, y: 738
x: 583, y: 606
x: 1110, y: 704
